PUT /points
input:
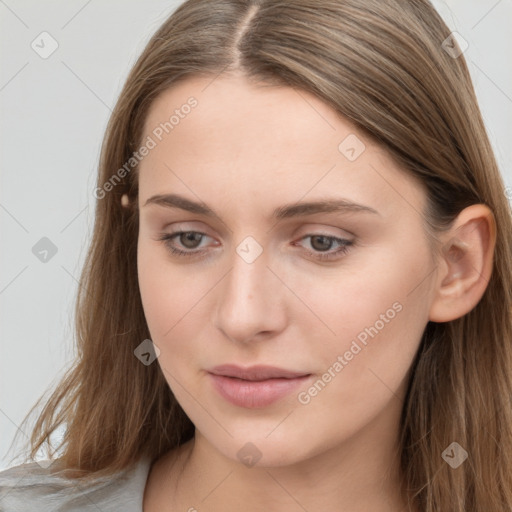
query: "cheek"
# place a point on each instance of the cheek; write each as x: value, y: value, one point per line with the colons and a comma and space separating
x: 368, y: 302
x: 174, y: 299
x: 163, y: 293
x: 373, y: 316
x: 346, y: 299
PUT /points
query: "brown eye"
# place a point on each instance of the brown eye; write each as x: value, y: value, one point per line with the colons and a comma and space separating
x: 326, y: 247
x: 185, y: 243
x: 321, y: 242
x: 190, y: 239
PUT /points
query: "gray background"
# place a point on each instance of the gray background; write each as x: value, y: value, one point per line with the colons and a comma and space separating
x: 54, y: 113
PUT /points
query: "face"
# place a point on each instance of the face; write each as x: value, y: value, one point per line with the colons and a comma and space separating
x: 235, y: 269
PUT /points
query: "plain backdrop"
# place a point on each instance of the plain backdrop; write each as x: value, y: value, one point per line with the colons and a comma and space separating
x: 54, y: 113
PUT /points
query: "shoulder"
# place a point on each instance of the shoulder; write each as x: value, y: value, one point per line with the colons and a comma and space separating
x: 35, y: 486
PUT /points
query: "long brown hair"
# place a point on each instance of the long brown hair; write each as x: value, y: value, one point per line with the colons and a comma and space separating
x: 382, y: 65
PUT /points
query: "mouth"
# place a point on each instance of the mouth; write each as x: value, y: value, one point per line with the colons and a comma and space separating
x: 257, y: 386
x: 255, y: 373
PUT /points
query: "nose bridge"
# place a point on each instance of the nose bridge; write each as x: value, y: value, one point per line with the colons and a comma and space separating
x: 249, y: 300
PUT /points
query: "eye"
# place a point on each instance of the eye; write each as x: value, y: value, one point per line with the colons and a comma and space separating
x: 188, y: 239
x: 321, y: 244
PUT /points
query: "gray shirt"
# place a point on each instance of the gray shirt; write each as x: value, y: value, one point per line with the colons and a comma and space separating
x: 32, y: 487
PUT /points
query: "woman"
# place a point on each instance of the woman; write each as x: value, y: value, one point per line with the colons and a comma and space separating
x: 298, y: 292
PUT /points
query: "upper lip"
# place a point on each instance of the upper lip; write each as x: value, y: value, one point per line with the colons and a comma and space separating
x: 259, y: 372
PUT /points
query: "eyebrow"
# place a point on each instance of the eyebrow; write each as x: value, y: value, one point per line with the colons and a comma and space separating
x: 286, y: 211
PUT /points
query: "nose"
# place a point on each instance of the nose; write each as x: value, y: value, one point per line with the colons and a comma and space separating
x: 250, y: 301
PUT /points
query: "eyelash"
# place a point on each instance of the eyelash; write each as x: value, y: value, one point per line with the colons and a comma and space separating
x: 323, y: 256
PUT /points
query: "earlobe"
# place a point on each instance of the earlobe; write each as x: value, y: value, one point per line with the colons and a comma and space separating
x: 465, y: 264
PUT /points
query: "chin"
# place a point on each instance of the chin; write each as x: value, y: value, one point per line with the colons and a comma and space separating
x: 259, y: 450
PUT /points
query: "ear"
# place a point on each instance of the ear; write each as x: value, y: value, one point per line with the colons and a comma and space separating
x: 465, y: 264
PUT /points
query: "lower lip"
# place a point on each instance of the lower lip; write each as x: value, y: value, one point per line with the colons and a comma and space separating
x: 255, y: 394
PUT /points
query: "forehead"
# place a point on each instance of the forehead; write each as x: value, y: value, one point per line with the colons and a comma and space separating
x: 263, y: 141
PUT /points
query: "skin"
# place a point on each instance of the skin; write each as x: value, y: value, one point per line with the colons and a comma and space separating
x: 245, y: 150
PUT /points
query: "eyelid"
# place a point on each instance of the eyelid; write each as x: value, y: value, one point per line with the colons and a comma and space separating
x: 185, y: 226
x: 307, y: 232
x: 323, y: 229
